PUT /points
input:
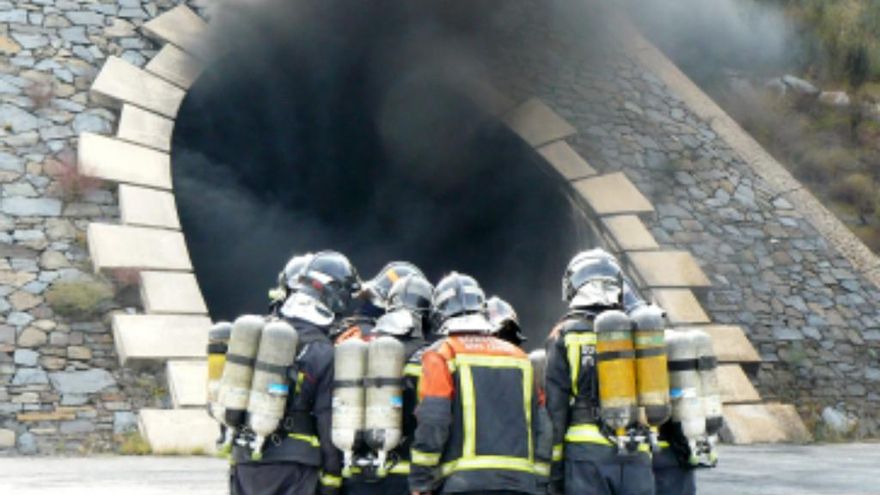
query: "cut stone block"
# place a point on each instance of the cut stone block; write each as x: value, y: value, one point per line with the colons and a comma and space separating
x: 179, y: 431
x: 613, y: 194
x: 736, y: 388
x: 681, y: 306
x: 566, y: 160
x: 118, y: 246
x: 168, y: 292
x: 147, y: 207
x: 763, y: 423
x: 118, y: 161
x: 628, y: 233
x: 147, y: 128
x: 188, y: 381
x: 668, y: 269
x: 176, y: 66
x: 121, y: 82
x: 537, y: 124
x: 731, y: 345
x: 182, y: 27
x: 142, y: 338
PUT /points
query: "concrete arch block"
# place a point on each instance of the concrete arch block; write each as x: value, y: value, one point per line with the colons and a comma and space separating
x: 121, y: 82
x: 176, y: 66
x: 145, y: 207
x: 537, y: 123
x: 117, y: 161
x: 146, y: 128
x: 613, y: 194
x: 181, y: 27
x: 566, y: 161
x: 119, y: 246
x: 188, y: 383
x: 172, y: 293
x: 151, y: 338
x: 179, y: 431
x: 675, y: 269
x: 628, y: 233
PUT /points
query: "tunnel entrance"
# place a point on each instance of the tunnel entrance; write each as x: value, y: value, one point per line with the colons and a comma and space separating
x: 371, y: 143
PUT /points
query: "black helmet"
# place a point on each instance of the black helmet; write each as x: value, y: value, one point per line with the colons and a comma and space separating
x: 455, y: 297
x: 505, y: 322
x: 331, y: 279
x: 412, y: 292
x: 593, y: 279
x: 378, y: 288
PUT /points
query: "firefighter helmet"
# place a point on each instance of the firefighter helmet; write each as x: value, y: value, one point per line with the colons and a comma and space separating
x: 593, y: 279
x: 505, y: 322
x: 330, y: 279
x: 378, y: 288
x: 459, y: 306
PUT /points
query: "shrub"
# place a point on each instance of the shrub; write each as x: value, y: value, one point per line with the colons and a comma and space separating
x: 860, y: 191
x: 132, y: 444
x: 73, y: 185
x: 78, y: 298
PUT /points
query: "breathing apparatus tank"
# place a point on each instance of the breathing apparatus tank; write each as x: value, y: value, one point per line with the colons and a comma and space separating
x: 538, y: 358
x: 709, y: 391
x: 615, y: 355
x: 684, y: 387
x: 218, y: 344
x: 350, y: 367
x: 651, y: 375
x: 384, y: 387
x: 235, y: 386
x: 270, y: 385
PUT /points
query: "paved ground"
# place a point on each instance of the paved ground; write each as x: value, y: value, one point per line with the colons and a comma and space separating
x: 764, y: 470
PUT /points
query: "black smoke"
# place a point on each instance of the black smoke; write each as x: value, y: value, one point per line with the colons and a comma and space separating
x: 363, y: 127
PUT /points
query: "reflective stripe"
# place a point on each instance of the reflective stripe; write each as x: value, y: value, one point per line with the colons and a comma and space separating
x: 587, y: 433
x: 309, y: 439
x: 542, y: 469
x: 469, y: 410
x: 420, y: 458
x: 557, y: 452
x: 574, y: 342
x: 331, y: 480
x: 663, y: 444
x: 400, y: 468
x: 413, y: 370
x: 503, y: 463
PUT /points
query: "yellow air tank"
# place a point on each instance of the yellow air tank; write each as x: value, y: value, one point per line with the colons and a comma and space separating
x: 350, y: 368
x: 270, y: 385
x: 235, y: 386
x: 616, y: 367
x: 651, y: 374
x: 218, y: 344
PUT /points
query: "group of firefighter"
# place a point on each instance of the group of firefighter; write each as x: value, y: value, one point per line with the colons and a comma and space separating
x: 396, y: 386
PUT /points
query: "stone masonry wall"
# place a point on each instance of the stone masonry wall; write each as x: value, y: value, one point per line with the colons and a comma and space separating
x: 814, y: 318
x: 61, y: 388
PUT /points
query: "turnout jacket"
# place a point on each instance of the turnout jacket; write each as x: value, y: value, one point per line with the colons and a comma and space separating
x: 572, y: 390
x: 478, y: 423
x: 304, y: 436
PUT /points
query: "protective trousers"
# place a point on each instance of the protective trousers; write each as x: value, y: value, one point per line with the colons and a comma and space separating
x: 618, y: 476
x: 274, y: 478
x: 670, y: 478
x: 393, y: 484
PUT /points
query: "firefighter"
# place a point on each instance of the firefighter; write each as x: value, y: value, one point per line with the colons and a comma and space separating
x: 408, y: 303
x: 478, y: 425
x: 503, y: 318
x: 585, y: 460
x: 286, y: 279
x: 372, y: 301
x: 299, y: 459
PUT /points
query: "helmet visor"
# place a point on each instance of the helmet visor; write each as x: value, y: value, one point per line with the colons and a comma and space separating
x: 598, y: 291
x: 453, y: 302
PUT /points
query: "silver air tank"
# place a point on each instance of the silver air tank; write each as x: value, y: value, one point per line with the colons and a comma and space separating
x: 350, y: 367
x: 384, y: 384
x: 684, y: 386
x: 709, y: 390
x: 235, y: 386
x: 270, y: 385
x: 218, y: 345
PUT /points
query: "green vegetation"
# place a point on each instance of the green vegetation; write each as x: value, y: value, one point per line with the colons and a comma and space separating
x: 78, y: 298
x: 132, y: 444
